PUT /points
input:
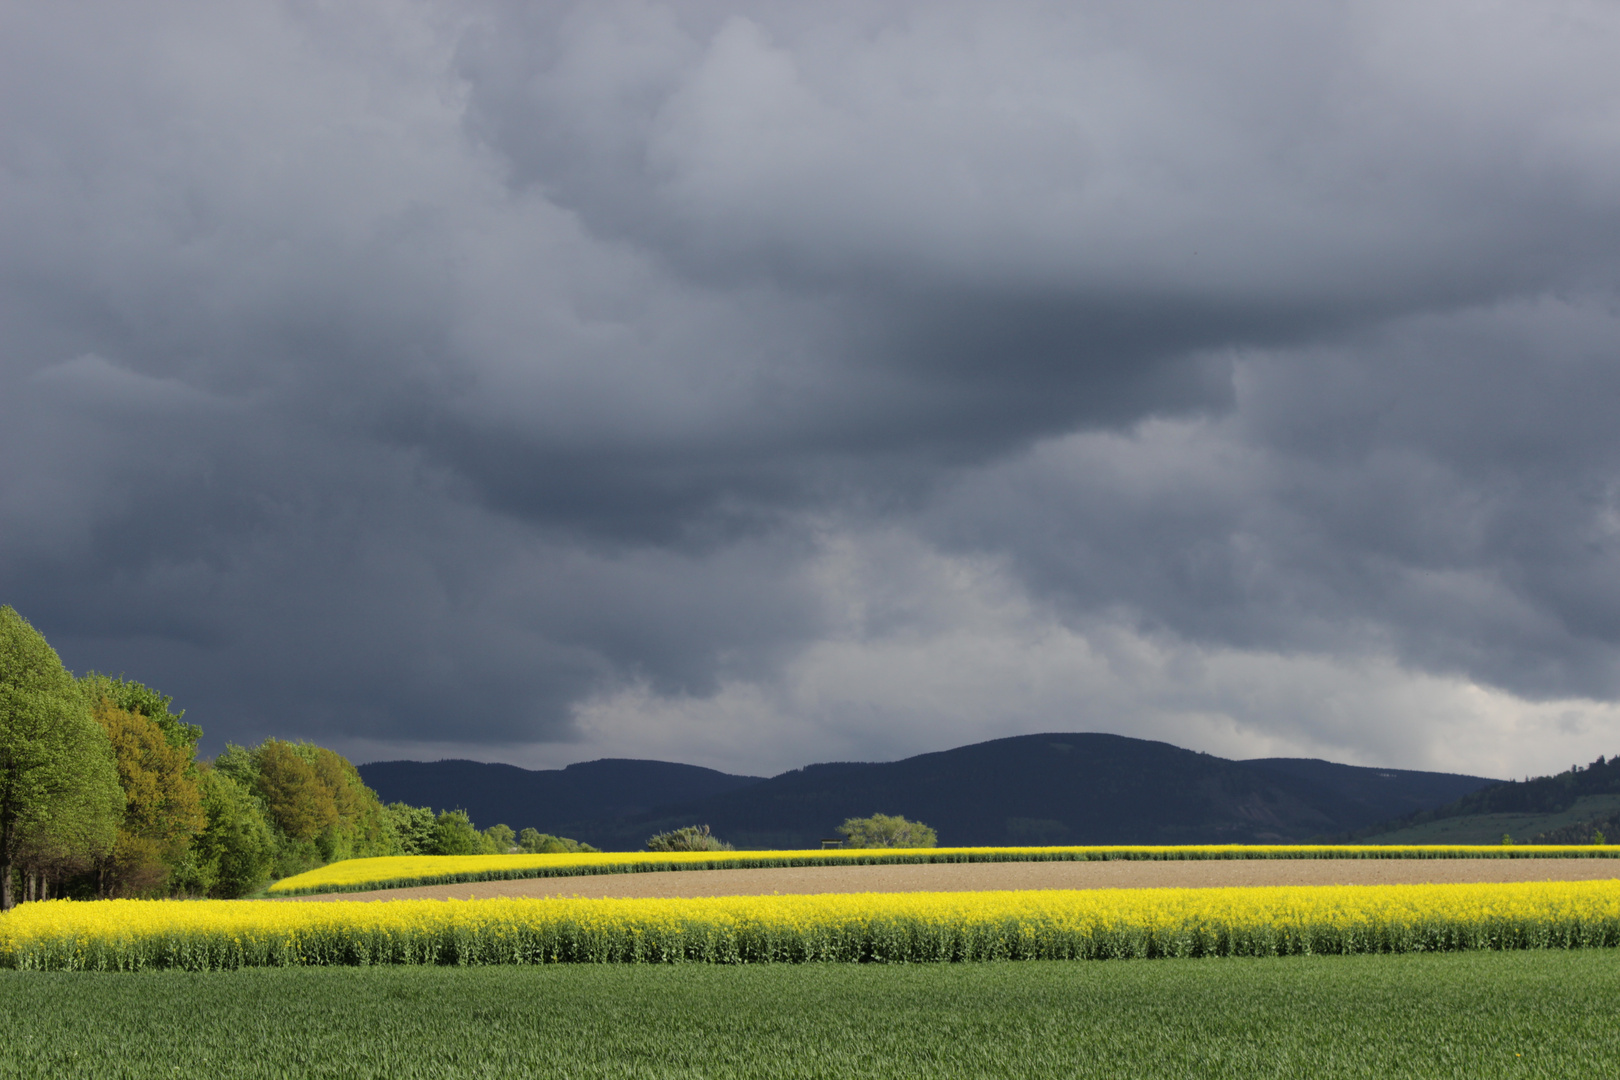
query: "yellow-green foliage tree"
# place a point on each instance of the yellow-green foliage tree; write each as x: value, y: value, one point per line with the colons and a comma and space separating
x: 321, y: 810
x: 163, y: 804
x: 131, y: 696
x: 59, y: 796
x: 302, y: 803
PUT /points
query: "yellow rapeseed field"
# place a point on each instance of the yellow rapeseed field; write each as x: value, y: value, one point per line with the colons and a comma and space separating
x: 884, y: 927
x: 405, y: 870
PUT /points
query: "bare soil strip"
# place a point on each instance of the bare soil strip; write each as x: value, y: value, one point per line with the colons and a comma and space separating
x: 972, y: 877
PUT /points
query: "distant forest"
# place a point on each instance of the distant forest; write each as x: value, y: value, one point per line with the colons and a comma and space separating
x: 102, y: 795
x: 1541, y: 795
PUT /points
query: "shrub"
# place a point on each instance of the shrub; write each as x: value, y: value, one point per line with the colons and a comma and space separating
x: 535, y: 842
x: 881, y: 830
x: 687, y: 838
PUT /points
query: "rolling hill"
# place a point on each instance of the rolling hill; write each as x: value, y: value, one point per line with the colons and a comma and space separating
x: 1055, y: 789
x: 1030, y: 789
x: 608, y: 789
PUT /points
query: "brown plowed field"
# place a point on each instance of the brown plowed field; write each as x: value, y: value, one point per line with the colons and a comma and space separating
x: 968, y: 877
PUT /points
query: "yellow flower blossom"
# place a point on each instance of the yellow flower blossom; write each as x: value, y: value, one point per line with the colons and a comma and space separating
x: 884, y: 927
x: 404, y: 870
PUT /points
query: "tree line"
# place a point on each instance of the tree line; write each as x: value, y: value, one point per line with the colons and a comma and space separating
x: 102, y: 795
x: 877, y: 831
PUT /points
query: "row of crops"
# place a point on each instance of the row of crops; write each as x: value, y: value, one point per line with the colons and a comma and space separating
x: 402, y: 871
x: 872, y: 927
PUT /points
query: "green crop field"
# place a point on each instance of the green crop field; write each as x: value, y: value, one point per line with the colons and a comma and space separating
x: 1535, y: 1014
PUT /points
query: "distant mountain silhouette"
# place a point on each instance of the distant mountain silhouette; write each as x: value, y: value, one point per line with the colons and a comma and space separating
x: 1030, y: 789
x: 545, y: 798
x: 1056, y: 789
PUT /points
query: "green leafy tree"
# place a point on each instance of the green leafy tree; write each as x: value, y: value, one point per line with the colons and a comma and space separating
x: 77, y: 829
x: 499, y: 839
x: 411, y: 826
x: 687, y: 838
x: 237, y: 763
x: 454, y: 834
x: 236, y: 850
x: 881, y: 830
x: 48, y: 746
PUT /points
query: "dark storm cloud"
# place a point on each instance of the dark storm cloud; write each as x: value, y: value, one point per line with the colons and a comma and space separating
x: 1328, y: 159
x: 1444, y: 487
x: 410, y: 373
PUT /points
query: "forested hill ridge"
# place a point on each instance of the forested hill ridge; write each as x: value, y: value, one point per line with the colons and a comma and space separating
x: 1569, y: 807
x: 1059, y: 788
x: 1062, y: 788
x: 604, y: 789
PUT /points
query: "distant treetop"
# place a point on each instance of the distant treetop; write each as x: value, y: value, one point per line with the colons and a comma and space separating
x: 131, y: 696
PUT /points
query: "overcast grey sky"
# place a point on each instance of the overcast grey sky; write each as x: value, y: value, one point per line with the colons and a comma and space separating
x: 754, y: 384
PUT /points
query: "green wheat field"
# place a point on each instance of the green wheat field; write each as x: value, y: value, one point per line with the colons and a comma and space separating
x: 1538, y: 1013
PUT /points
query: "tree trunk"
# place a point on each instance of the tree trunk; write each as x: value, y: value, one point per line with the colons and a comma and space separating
x: 6, y: 832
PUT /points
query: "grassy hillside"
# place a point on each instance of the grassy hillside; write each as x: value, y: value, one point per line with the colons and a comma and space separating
x: 1556, y: 809
x: 1524, y: 827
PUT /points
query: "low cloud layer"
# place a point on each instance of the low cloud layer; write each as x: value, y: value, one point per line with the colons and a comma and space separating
x: 755, y: 384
